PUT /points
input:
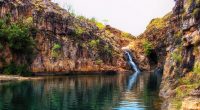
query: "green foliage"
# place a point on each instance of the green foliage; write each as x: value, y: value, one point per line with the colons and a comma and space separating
x: 28, y: 21
x: 127, y: 35
x: 17, y: 36
x: 2, y: 30
x: 185, y: 81
x: 79, y: 31
x: 157, y: 23
x: 100, y: 25
x: 148, y: 47
x: 14, y: 69
x: 93, y: 20
x: 177, y: 56
x: 2, y: 23
x: 177, y: 103
x: 107, y: 49
x: 99, y: 61
x: 55, y: 50
x: 81, y: 17
x: 94, y: 43
x: 56, y: 47
x: 196, y: 68
x: 19, y: 39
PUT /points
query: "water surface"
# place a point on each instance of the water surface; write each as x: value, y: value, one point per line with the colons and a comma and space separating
x: 94, y: 92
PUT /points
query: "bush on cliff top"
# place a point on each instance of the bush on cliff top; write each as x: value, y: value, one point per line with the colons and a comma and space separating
x: 98, y: 24
x: 157, y: 23
x: 148, y: 47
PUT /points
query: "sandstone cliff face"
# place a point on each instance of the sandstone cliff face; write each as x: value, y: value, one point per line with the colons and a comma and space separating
x: 82, y: 45
x: 175, y: 40
x: 181, y: 71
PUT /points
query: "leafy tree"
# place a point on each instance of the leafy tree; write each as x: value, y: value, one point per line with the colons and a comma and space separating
x: 19, y: 39
x: 148, y: 47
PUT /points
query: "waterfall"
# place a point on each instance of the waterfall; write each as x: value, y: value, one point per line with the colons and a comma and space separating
x: 131, y: 63
x: 133, y: 78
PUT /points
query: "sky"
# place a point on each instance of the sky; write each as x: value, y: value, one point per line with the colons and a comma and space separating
x: 131, y: 16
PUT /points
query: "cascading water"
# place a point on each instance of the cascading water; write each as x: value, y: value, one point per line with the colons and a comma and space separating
x: 131, y: 63
x: 133, y: 78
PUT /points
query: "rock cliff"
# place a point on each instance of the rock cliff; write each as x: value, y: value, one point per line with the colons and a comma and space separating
x: 172, y: 43
x: 64, y: 42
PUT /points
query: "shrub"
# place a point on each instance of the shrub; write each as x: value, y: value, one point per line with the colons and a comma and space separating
x: 99, y: 61
x: 148, y: 47
x: 19, y: 39
x: 127, y: 35
x: 196, y: 68
x: 81, y: 17
x: 55, y: 50
x: 93, y: 20
x: 2, y: 30
x: 56, y: 47
x: 100, y: 25
x: 157, y: 23
x: 177, y: 56
x: 94, y: 43
x: 14, y: 69
x: 2, y: 23
x: 79, y: 31
x: 107, y: 49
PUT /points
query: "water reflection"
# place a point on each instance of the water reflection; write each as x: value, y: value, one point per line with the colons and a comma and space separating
x: 132, y: 80
x: 100, y: 92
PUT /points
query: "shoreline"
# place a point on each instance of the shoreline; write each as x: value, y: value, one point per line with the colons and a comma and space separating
x: 11, y: 78
x: 41, y: 75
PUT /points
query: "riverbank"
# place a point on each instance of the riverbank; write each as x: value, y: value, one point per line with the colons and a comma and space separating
x: 36, y: 76
x: 9, y: 78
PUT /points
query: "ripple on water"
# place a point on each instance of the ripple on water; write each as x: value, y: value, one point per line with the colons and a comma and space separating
x: 99, y: 92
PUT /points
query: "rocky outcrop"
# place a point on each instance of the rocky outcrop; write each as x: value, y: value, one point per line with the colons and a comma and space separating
x: 180, y: 74
x: 83, y: 46
x: 173, y: 43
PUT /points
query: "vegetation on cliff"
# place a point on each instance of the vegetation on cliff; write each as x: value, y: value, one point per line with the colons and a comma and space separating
x: 18, y: 37
x: 51, y: 39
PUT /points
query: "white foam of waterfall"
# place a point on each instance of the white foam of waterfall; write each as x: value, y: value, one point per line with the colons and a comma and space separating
x: 132, y: 64
x: 133, y: 78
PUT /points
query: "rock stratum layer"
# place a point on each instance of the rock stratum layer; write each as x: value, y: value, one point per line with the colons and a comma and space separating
x: 65, y: 43
x: 82, y: 44
x: 172, y: 44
